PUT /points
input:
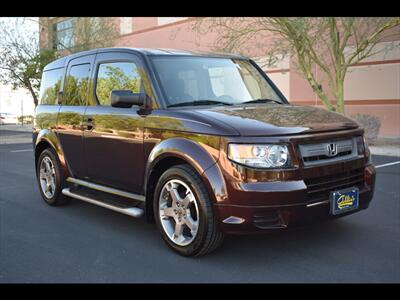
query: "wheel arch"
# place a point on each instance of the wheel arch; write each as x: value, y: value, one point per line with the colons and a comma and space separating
x: 48, y: 139
x: 178, y: 151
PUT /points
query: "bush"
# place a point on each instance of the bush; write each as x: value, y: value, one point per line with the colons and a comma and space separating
x: 27, y: 119
x: 371, y: 125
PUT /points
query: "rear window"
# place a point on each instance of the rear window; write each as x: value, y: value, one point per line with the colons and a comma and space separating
x: 50, y: 86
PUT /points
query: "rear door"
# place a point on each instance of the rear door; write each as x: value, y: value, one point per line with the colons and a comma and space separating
x: 114, y: 140
x: 74, y: 101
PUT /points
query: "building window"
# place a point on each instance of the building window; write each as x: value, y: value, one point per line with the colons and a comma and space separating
x: 167, y: 20
x: 63, y: 34
x: 125, y: 25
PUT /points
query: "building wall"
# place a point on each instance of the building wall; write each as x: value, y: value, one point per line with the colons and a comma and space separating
x: 372, y: 87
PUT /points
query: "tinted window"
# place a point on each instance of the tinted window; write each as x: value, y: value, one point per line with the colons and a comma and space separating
x: 50, y: 86
x: 76, y: 85
x: 116, y: 76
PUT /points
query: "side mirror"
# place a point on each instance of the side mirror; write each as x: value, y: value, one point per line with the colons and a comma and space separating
x: 125, y: 98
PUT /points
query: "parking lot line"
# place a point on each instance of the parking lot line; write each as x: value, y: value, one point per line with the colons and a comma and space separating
x: 388, y: 164
x: 22, y: 150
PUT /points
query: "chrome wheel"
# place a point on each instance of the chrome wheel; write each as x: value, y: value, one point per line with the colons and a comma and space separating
x: 179, y: 213
x: 47, y: 176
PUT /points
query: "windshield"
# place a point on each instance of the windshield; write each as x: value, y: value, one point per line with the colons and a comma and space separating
x: 202, y: 79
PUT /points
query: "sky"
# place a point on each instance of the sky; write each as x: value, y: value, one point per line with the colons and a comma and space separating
x: 20, y: 101
x: 28, y: 24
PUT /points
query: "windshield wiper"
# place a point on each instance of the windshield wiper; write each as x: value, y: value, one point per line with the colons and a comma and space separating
x: 199, y: 102
x: 262, y: 101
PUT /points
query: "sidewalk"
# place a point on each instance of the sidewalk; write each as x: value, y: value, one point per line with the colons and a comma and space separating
x: 16, y: 127
x: 15, y: 134
x: 386, y: 146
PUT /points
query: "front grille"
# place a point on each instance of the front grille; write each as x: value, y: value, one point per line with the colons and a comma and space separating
x: 321, y: 157
x: 319, y: 189
x: 321, y: 152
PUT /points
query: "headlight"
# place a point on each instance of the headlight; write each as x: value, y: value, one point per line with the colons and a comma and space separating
x: 259, y: 156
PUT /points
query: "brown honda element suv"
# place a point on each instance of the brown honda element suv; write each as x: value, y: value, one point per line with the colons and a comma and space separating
x: 201, y: 144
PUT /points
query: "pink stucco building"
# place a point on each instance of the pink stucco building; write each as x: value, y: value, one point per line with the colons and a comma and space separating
x: 371, y: 87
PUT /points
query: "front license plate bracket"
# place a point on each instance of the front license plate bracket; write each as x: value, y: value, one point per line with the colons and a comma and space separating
x: 345, y: 200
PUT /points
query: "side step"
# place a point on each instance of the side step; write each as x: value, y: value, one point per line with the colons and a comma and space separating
x: 102, y: 188
x: 135, y: 212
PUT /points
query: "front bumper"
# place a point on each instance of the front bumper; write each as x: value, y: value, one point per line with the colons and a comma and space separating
x: 295, y: 209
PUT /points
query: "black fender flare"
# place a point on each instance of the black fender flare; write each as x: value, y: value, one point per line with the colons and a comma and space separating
x: 196, y: 156
x: 50, y: 137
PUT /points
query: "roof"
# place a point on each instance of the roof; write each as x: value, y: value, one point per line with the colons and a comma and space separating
x: 61, y: 62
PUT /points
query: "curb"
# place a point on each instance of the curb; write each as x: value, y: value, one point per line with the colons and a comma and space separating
x: 385, y: 150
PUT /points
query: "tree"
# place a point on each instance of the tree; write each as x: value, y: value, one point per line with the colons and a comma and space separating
x: 23, y: 58
x: 22, y: 61
x: 86, y: 33
x: 331, y: 44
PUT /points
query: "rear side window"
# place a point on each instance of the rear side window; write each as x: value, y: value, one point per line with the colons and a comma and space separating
x: 50, y: 86
x: 76, y: 85
x: 116, y: 76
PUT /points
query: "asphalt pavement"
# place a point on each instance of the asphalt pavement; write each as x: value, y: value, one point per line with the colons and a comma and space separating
x: 81, y: 242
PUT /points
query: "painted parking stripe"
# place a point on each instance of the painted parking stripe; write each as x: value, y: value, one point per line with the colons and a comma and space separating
x: 22, y: 150
x: 388, y: 164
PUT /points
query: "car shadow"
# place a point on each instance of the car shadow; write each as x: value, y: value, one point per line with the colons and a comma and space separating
x: 240, y: 249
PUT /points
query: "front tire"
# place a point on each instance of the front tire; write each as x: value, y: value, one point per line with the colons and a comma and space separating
x: 50, y: 178
x: 183, y: 212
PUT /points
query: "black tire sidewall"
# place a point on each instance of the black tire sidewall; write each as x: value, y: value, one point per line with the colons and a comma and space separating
x: 202, y: 201
x: 49, y: 152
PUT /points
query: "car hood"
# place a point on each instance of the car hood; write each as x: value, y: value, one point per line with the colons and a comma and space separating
x: 276, y: 119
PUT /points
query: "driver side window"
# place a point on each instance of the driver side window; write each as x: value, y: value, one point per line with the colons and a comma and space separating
x: 116, y: 76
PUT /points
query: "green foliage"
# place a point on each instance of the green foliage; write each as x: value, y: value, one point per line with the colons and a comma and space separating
x: 115, y: 79
x: 49, y: 95
x: 75, y: 91
x: 22, y: 61
x: 45, y: 120
x: 90, y: 33
x: 28, y: 119
x: 70, y: 118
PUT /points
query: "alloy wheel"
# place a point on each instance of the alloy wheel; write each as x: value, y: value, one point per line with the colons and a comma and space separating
x: 47, y: 175
x: 179, y: 212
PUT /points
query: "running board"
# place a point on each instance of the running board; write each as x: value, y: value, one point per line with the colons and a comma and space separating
x: 106, y: 189
x: 130, y: 211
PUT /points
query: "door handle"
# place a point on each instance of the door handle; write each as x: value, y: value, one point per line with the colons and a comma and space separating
x: 87, y: 124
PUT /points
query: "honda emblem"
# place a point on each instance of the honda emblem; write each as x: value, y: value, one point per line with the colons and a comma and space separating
x: 332, y: 149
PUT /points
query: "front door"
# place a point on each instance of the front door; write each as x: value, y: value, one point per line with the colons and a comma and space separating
x: 113, y: 139
x: 73, y: 104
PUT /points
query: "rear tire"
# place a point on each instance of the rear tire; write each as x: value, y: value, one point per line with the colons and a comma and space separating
x: 51, y: 179
x: 197, y: 237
